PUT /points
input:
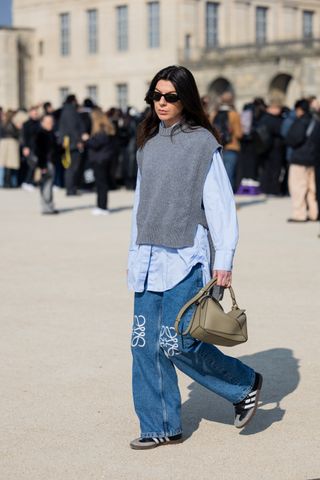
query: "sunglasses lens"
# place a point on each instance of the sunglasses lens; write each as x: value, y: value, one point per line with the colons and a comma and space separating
x: 171, y: 98
x: 156, y: 96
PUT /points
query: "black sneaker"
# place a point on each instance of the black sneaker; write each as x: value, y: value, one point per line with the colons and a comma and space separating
x: 245, y: 410
x: 154, y: 442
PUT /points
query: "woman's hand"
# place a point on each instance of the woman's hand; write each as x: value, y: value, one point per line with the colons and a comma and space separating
x: 224, y: 278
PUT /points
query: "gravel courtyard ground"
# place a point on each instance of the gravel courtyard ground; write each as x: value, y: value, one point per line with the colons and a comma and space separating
x: 66, y: 410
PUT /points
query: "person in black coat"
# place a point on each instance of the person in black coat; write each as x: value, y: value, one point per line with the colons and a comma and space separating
x: 273, y: 158
x: 46, y: 151
x: 315, y: 110
x: 101, y: 147
x: 70, y: 125
x: 30, y: 130
x: 248, y: 168
x: 85, y: 114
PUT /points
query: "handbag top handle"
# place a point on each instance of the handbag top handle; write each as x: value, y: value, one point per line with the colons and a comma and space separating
x: 204, y: 292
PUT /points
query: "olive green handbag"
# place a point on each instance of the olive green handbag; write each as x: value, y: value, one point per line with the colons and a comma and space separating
x: 210, y: 323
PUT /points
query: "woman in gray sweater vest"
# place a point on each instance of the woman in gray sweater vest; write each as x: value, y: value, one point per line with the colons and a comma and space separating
x: 183, y: 194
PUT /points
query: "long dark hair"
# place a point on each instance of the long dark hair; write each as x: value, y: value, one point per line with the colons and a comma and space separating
x: 193, y: 113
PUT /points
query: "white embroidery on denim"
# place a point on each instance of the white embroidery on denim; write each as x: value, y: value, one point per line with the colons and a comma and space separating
x: 169, y: 341
x: 138, y: 331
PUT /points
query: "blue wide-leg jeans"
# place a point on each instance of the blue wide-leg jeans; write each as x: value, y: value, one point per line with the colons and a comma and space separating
x: 157, y: 349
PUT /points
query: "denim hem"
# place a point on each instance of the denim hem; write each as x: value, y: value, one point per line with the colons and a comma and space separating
x: 171, y: 433
x: 248, y: 390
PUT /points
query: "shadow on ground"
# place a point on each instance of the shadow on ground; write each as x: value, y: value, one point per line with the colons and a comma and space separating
x: 281, y: 377
x: 248, y: 203
x: 74, y: 209
x: 87, y: 207
x: 120, y: 209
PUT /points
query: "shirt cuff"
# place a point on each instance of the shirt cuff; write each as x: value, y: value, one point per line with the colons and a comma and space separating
x: 223, y: 260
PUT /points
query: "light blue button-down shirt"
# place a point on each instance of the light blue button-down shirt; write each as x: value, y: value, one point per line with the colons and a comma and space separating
x: 163, y: 267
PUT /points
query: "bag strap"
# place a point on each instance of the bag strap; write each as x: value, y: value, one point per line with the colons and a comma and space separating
x: 233, y: 298
x: 202, y: 294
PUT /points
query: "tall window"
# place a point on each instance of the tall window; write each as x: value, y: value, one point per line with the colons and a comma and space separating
x: 187, y: 46
x: 92, y: 92
x: 92, y: 17
x: 122, y: 27
x: 63, y: 93
x: 212, y: 33
x: 153, y: 24
x: 122, y: 95
x: 41, y: 47
x: 307, y: 24
x: 65, y: 34
x: 261, y: 24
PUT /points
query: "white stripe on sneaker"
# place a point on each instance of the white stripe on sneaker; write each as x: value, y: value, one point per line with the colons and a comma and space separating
x: 252, y: 393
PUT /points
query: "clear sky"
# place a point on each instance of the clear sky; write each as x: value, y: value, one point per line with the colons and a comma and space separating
x: 5, y: 12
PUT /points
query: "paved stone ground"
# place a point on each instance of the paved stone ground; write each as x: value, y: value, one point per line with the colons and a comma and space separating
x: 66, y: 411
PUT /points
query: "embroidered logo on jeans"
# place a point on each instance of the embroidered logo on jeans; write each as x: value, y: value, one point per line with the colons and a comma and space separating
x: 169, y: 341
x: 138, y: 331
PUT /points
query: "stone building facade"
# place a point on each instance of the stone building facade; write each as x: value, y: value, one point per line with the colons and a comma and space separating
x: 16, y: 67
x: 110, y: 49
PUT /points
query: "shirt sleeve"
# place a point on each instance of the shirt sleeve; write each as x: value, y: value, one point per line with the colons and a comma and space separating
x: 134, y: 230
x: 220, y: 208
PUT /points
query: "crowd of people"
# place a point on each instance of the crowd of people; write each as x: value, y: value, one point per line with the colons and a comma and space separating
x: 267, y: 148
x: 75, y: 147
x: 273, y: 150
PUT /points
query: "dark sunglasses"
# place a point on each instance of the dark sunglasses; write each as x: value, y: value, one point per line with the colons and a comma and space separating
x: 169, y: 97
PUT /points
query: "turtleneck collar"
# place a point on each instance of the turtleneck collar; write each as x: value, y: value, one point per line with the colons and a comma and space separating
x: 168, y: 131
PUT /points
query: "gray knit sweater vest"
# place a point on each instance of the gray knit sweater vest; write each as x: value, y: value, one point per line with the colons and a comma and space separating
x: 173, y: 165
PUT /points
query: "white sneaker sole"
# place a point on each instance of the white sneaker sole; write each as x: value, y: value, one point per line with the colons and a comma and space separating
x: 252, y: 412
